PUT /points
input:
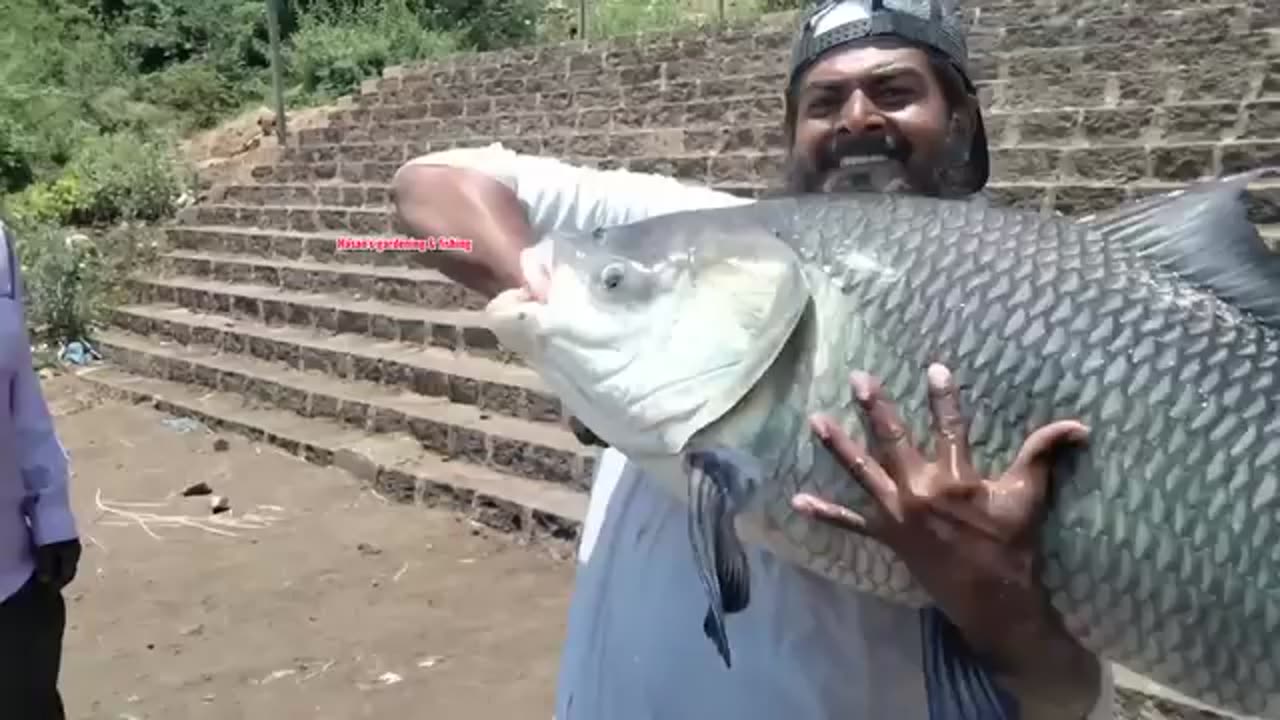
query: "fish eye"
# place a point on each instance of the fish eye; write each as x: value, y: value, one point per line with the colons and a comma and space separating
x: 611, y: 276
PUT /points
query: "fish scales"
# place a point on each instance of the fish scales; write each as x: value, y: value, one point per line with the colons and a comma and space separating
x: 1162, y: 546
x: 1084, y: 543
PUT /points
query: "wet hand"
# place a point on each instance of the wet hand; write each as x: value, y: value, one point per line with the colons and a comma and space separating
x: 969, y: 541
x: 56, y: 563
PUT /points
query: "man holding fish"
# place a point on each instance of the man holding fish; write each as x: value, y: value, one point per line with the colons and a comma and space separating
x: 878, y: 99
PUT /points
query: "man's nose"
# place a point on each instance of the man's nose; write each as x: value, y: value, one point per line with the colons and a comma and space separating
x: 861, y: 116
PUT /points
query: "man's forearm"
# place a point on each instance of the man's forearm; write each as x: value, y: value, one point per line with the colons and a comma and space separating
x: 1050, y: 674
x: 440, y: 200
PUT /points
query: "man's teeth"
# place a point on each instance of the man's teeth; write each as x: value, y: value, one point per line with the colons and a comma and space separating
x: 856, y: 160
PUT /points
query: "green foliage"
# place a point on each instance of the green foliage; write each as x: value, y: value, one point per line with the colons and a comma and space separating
x: 337, y: 45
x: 607, y: 18
x: 126, y: 177
x: 49, y: 202
x: 71, y: 279
x: 196, y: 90
x: 624, y: 17
x: 155, y: 34
x: 781, y: 5
x: 62, y: 281
x: 487, y: 24
x: 111, y: 178
x: 15, y: 156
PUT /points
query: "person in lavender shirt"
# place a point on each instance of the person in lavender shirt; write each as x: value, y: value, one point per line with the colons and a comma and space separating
x: 39, y: 545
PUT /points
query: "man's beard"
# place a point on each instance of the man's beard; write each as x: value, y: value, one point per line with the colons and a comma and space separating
x: 876, y: 163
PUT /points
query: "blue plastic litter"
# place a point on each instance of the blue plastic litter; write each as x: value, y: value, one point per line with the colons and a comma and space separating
x: 182, y: 424
x: 78, y: 352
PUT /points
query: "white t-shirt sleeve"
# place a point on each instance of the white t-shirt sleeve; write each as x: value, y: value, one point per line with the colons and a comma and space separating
x: 560, y: 196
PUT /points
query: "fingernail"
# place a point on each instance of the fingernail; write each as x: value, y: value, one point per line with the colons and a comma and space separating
x: 861, y: 382
x: 939, y: 376
x: 803, y: 503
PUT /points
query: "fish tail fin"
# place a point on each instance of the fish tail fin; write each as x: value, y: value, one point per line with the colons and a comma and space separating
x: 1203, y: 234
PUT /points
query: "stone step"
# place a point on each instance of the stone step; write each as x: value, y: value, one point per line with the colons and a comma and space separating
x: 1265, y: 202
x: 1131, y: 161
x: 493, y: 387
x: 535, y: 450
x: 1185, y: 120
x: 1057, y: 134
x: 323, y: 246
x: 771, y: 33
x: 344, y: 221
x: 1148, y: 87
x: 368, y: 222
x: 394, y: 464
x: 1240, y: 38
x: 461, y: 331
x: 389, y: 283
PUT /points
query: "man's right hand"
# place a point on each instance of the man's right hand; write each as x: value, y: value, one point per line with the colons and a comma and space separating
x: 441, y: 200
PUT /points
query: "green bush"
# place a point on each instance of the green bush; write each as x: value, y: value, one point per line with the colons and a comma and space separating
x: 112, y: 178
x: 49, y: 203
x: 337, y: 47
x: 780, y: 5
x: 487, y: 24
x: 195, y: 89
x: 15, y: 156
x: 71, y: 279
x: 127, y: 177
x: 62, y: 282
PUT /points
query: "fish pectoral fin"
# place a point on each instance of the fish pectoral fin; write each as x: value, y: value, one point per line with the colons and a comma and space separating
x: 718, y: 553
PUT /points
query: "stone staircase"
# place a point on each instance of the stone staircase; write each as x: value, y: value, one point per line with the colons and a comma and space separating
x: 375, y: 363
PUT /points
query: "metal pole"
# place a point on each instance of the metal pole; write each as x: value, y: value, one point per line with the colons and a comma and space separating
x: 273, y: 30
x: 582, y: 19
x: 720, y: 4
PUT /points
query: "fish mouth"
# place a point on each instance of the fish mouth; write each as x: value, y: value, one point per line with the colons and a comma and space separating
x: 513, y: 318
x: 536, y: 273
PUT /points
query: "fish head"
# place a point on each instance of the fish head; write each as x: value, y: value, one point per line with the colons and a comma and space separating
x: 652, y: 330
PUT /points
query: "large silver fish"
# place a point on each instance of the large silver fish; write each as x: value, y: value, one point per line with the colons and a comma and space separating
x: 698, y: 344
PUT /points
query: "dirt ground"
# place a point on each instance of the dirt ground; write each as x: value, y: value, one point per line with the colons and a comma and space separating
x: 335, y: 605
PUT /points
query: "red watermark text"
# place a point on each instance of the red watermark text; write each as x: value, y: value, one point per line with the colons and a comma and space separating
x: 403, y: 244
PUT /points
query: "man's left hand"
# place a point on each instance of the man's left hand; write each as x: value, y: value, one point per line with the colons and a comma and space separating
x: 56, y: 563
x: 971, y: 542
